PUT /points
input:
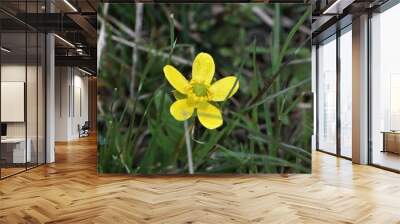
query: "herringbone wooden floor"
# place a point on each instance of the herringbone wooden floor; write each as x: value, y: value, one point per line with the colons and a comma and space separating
x: 70, y: 191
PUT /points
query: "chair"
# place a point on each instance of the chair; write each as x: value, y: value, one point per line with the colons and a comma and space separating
x: 84, y: 130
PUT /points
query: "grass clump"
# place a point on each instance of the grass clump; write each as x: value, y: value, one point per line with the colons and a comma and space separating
x: 267, y: 123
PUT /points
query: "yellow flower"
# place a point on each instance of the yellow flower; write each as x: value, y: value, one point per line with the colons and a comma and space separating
x: 199, y: 91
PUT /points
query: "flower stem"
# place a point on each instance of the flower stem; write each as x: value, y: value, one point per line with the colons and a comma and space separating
x: 188, y: 148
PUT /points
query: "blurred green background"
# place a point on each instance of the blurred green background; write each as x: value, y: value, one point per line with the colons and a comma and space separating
x: 267, y: 124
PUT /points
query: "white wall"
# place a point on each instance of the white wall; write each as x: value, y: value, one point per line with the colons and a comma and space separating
x: 71, y: 102
x: 61, y: 103
x: 80, y: 96
x: 10, y: 73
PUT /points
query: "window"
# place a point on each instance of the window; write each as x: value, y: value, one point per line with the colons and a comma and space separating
x: 346, y: 92
x: 327, y: 95
x: 385, y: 89
x: 22, y: 101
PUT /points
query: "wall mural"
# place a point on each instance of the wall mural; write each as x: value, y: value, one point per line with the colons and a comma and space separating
x: 204, y: 88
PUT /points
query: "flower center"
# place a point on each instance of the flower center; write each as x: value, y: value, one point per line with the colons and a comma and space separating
x: 199, y: 89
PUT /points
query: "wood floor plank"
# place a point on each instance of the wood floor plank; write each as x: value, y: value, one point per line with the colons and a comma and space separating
x: 71, y: 191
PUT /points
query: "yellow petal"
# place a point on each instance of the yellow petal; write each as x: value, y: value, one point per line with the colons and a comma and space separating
x: 220, y: 89
x: 209, y: 116
x: 176, y: 79
x: 181, y: 110
x: 203, y: 68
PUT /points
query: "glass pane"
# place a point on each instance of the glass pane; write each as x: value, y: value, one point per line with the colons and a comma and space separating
x: 346, y: 94
x: 22, y: 88
x: 385, y: 84
x: 41, y: 99
x: 32, y: 87
x: 14, y: 153
x: 327, y: 96
x: 31, y: 97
